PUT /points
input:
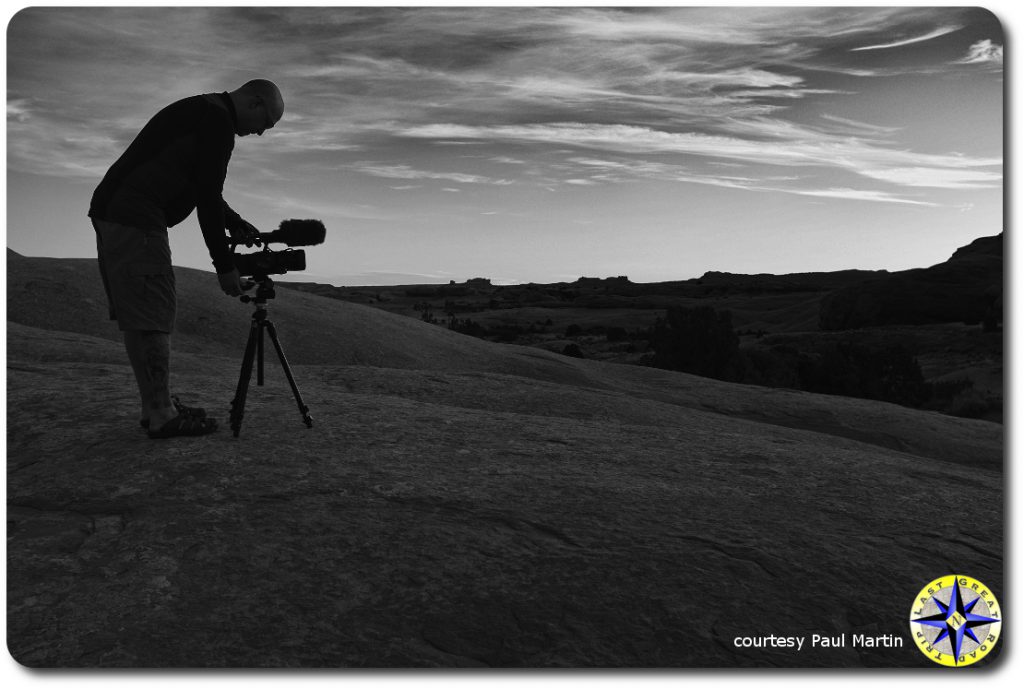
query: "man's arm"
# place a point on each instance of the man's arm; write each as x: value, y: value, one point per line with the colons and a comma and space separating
x: 232, y: 220
x: 215, y: 143
x: 216, y: 242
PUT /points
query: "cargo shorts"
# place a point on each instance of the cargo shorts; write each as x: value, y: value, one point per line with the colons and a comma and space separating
x: 135, y: 265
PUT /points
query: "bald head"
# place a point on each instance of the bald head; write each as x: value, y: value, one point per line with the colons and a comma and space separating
x: 258, y: 105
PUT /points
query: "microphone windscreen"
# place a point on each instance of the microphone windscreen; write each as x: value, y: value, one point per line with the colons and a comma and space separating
x: 299, y: 233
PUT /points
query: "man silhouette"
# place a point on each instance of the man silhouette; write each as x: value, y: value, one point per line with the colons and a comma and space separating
x: 177, y: 163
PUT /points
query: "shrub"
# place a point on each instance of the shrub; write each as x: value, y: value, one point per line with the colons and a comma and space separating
x: 572, y: 349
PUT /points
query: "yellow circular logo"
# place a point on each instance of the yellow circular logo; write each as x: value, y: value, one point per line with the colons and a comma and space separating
x: 955, y: 620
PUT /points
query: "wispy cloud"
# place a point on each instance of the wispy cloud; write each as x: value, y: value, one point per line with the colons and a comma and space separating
x: 657, y: 85
x: 937, y: 177
x: 941, y: 31
x: 304, y: 205
x: 860, y: 195
x: 855, y: 127
x: 18, y: 109
x: 408, y: 172
x: 983, y: 52
x: 621, y: 171
x: 777, y: 143
x: 38, y: 141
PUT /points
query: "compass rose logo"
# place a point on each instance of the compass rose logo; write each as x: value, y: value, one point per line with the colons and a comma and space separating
x: 955, y: 620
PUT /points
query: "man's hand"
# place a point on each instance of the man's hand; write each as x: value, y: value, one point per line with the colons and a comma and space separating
x: 247, y: 234
x: 231, y: 283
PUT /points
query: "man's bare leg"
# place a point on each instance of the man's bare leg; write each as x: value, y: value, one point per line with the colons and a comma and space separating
x: 134, y: 349
x: 149, y: 352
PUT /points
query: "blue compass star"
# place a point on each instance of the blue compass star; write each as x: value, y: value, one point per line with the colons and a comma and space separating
x: 956, y: 620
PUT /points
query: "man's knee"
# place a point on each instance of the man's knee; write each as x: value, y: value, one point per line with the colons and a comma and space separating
x: 146, y: 342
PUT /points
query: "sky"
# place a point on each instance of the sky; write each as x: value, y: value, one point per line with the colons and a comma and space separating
x: 537, y: 144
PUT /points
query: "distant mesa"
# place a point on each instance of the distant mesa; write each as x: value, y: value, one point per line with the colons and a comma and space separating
x: 968, y: 288
x: 603, y: 282
x: 720, y: 282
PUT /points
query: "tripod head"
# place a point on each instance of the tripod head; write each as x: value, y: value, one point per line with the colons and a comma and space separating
x: 264, y: 291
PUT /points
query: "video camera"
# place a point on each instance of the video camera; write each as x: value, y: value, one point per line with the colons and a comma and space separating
x: 264, y: 263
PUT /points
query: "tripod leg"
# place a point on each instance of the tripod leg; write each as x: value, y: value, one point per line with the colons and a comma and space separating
x: 303, y: 409
x: 238, y: 403
x: 259, y: 356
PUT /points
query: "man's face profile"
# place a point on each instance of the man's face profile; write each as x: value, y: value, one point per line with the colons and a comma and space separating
x: 256, y: 118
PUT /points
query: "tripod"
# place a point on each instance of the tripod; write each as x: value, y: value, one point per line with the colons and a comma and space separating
x: 254, y: 352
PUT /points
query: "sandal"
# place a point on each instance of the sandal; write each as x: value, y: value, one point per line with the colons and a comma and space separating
x: 185, y: 424
x: 198, y: 412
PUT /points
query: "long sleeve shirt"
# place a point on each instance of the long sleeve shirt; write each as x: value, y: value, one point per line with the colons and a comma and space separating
x: 175, y: 165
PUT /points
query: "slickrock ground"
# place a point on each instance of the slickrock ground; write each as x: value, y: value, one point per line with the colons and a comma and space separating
x: 457, y: 503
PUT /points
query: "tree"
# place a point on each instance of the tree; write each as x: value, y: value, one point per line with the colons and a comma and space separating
x: 700, y: 340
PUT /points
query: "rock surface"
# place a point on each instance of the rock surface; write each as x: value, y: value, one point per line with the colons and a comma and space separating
x: 457, y: 502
